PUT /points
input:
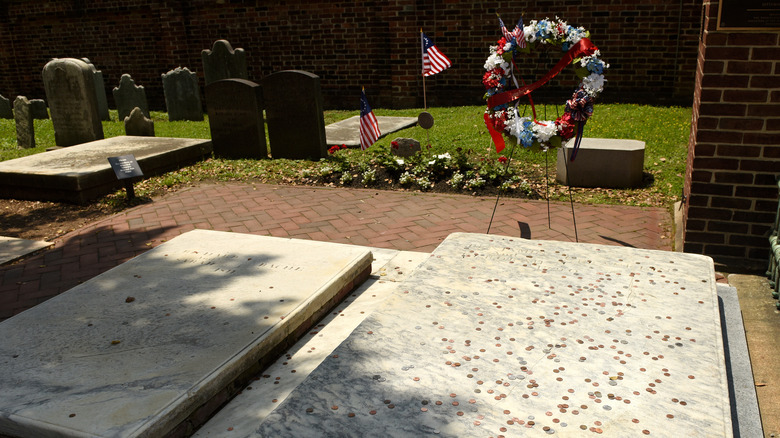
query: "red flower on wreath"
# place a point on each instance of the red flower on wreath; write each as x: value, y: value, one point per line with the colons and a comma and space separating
x: 565, y: 125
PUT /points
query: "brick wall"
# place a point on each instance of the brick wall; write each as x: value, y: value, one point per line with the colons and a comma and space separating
x: 651, y: 45
x: 734, y: 149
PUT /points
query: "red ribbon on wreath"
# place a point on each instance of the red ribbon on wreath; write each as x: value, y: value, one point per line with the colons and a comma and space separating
x: 584, y: 47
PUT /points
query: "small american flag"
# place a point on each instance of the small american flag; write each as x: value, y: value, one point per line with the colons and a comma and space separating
x: 369, y: 127
x: 433, y: 61
x: 516, y: 33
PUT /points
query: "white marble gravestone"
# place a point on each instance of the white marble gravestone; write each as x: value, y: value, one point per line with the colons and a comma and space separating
x: 497, y: 336
x: 134, y: 351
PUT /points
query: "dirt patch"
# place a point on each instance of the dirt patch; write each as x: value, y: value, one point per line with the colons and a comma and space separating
x: 41, y: 220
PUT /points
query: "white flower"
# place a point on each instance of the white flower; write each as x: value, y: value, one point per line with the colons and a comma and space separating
x: 495, y: 61
x: 515, y: 126
x: 544, y: 129
x: 593, y: 84
x: 444, y: 156
x: 400, y: 161
x: 530, y: 32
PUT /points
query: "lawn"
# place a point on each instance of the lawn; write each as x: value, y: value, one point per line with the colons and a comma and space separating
x: 461, y: 157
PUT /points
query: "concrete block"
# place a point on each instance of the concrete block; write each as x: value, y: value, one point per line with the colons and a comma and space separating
x: 602, y: 162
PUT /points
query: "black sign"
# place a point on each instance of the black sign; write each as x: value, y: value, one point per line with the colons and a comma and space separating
x: 749, y: 14
x: 125, y: 167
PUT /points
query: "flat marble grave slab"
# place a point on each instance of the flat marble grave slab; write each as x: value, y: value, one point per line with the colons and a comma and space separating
x: 347, y: 132
x: 82, y: 172
x: 134, y: 351
x: 12, y: 248
x: 494, y: 336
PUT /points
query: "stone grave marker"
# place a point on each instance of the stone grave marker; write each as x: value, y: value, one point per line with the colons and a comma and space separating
x: 25, y: 129
x: 5, y: 108
x: 405, y: 147
x: 128, y: 95
x: 602, y: 162
x: 100, y: 90
x: 136, y: 350
x: 39, y: 109
x: 182, y: 96
x: 70, y: 92
x: 223, y: 62
x: 495, y: 335
x: 235, y: 111
x: 137, y: 124
x: 293, y: 107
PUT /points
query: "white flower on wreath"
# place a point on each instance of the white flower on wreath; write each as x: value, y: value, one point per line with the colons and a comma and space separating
x: 593, y: 84
x: 544, y: 130
x: 495, y: 61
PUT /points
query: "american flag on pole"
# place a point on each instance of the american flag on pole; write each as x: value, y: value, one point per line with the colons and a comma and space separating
x: 433, y: 60
x: 369, y: 127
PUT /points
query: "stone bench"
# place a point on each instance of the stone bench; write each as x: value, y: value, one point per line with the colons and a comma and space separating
x: 602, y: 162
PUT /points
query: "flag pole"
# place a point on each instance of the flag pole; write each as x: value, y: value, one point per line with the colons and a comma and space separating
x: 422, y: 59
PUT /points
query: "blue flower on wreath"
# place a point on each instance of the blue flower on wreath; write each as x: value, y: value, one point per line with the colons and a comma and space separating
x: 595, y: 66
x: 544, y: 30
x: 527, y: 135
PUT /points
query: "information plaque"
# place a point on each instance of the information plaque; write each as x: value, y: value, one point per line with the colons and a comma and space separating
x: 749, y: 14
x: 126, y: 167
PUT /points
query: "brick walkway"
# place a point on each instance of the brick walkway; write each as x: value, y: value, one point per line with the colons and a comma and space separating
x: 397, y: 220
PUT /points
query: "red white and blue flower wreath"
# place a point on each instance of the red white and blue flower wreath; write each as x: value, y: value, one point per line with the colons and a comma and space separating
x: 502, y: 117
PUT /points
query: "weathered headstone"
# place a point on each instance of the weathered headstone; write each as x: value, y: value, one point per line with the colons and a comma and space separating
x: 128, y: 96
x: 70, y: 91
x: 39, y: 109
x: 405, y: 147
x: 137, y: 124
x: 5, y: 108
x: 223, y: 62
x: 293, y: 106
x: 235, y: 108
x: 25, y: 130
x: 100, y: 90
x: 182, y: 96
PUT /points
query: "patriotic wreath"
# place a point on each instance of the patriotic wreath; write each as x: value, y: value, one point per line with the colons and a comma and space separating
x: 502, y: 117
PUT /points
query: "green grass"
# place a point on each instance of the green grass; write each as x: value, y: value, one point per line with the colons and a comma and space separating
x: 665, y: 131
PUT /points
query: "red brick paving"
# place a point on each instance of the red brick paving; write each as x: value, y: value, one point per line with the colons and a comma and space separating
x: 396, y: 220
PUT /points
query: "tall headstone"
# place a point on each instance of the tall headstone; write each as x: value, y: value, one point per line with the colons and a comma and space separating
x: 70, y: 91
x: 223, y: 62
x: 235, y: 108
x: 25, y: 130
x: 293, y: 106
x: 100, y: 90
x: 39, y: 109
x: 5, y: 108
x: 182, y: 97
x: 137, y: 124
x: 128, y: 95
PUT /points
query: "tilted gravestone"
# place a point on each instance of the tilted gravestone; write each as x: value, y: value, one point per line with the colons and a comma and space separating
x: 293, y: 106
x: 100, y: 90
x: 128, y: 95
x: 25, y: 130
x: 223, y: 62
x: 137, y: 124
x: 5, y: 108
x: 39, y: 109
x: 235, y: 108
x: 182, y: 97
x: 70, y: 91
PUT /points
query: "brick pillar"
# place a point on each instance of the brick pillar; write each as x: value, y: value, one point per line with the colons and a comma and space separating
x: 734, y: 148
